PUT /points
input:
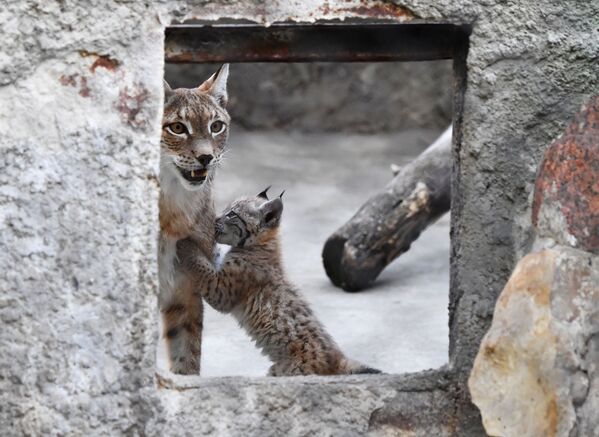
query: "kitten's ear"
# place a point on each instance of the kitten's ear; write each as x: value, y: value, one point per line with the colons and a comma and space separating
x: 168, y: 91
x: 271, y: 212
x: 217, y: 85
x: 263, y: 194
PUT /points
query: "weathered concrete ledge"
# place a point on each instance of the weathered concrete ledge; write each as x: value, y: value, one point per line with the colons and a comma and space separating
x: 351, y: 405
x: 418, y: 381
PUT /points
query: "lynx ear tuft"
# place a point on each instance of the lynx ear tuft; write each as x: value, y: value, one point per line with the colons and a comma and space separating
x: 216, y: 85
x: 281, y: 195
x: 263, y: 193
x: 168, y: 91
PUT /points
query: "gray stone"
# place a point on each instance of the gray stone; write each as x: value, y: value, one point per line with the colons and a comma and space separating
x: 537, y: 371
x: 340, y: 405
x: 539, y: 357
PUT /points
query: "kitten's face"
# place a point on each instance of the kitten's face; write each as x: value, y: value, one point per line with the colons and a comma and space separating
x: 248, y: 221
x: 195, y: 128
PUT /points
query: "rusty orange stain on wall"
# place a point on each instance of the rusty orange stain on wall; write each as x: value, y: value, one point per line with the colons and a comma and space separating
x: 568, y: 177
x: 84, y: 89
x: 130, y: 104
x: 72, y: 80
x: 103, y: 61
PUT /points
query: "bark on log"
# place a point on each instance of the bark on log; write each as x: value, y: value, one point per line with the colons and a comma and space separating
x: 386, y: 225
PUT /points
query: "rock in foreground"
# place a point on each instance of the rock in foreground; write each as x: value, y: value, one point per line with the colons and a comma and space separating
x: 537, y: 371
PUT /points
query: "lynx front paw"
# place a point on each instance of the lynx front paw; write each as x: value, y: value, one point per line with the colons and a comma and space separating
x: 185, y: 366
x: 184, y: 346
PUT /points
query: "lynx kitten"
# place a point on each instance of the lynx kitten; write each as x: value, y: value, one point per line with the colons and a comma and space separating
x: 252, y: 286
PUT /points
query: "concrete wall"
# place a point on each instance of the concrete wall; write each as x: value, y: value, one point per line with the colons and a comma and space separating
x: 350, y: 97
x: 79, y: 122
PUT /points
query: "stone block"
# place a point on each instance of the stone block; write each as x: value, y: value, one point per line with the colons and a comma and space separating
x: 537, y: 370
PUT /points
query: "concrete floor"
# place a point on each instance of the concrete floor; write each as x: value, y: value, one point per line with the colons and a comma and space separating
x: 400, y: 325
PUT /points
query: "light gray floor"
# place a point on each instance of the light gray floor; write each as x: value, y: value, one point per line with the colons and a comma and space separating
x: 400, y: 325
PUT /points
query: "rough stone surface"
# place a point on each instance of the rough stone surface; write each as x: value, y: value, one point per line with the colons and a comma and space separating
x: 566, y: 202
x: 350, y: 97
x: 79, y: 123
x: 348, y: 406
x: 540, y: 357
x: 537, y: 372
x: 81, y: 97
x: 529, y: 66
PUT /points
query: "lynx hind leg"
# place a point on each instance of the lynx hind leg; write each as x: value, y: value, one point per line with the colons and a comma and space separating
x: 183, y: 333
x: 285, y: 368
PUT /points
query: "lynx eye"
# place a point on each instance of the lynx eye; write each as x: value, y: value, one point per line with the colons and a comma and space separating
x: 217, y: 127
x: 230, y: 215
x: 177, y: 128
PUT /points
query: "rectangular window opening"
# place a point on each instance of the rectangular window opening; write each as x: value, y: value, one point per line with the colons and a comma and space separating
x: 323, y: 112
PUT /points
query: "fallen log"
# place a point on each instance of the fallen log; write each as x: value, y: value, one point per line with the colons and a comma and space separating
x: 387, y: 224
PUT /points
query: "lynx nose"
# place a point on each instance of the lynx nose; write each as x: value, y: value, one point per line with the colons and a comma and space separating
x: 204, y: 159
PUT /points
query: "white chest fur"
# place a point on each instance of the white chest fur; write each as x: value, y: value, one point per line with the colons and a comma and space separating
x: 180, y: 201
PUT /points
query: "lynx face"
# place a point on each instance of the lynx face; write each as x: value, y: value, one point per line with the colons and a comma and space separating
x: 195, y: 129
x: 249, y: 220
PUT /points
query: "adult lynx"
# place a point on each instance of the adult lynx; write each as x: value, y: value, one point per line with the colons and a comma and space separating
x: 195, y: 129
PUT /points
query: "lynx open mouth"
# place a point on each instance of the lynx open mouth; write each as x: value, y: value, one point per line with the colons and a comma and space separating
x: 195, y: 177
